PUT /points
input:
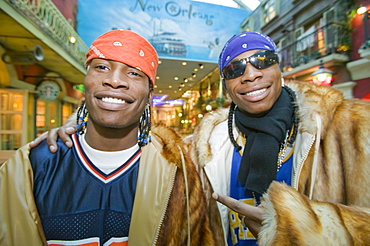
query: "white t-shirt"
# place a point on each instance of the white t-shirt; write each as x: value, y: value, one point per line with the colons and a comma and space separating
x: 99, y: 157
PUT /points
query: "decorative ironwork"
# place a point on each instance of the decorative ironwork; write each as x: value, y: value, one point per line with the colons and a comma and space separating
x: 326, y: 40
x: 45, y: 15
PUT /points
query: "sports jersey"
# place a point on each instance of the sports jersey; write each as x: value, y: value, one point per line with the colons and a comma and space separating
x: 238, y: 234
x: 77, y: 202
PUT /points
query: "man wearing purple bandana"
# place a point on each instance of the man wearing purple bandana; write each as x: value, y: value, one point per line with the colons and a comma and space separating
x: 306, y: 137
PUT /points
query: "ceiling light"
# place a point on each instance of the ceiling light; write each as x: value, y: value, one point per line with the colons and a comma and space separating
x: 183, y: 63
x: 185, y: 80
x: 176, y: 78
x: 170, y: 86
x: 194, y: 75
x: 361, y: 10
x: 72, y: 39
x: 155, y: 86
x: 157, y: 77
x: 195, y: 69
x: 159, y: 62
x: 201, y: 66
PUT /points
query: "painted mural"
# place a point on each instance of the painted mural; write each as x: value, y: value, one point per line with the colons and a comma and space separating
x: 179, y: 29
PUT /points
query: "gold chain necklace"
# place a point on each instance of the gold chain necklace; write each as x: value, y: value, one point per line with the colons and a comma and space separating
x: 283, y: 148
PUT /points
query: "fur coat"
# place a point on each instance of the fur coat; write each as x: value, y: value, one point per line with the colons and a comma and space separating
x: 331, y: 167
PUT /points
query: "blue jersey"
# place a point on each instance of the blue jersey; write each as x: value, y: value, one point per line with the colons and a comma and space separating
x: 238, y: 234
x: 77, y: 202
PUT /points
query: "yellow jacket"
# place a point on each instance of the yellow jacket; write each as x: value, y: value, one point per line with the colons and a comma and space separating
x: 168, y: 184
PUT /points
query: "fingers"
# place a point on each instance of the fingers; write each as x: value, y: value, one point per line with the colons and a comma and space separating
x: 228, y: 201
x: 63, y: 133
x: 249, y: 211
x: 250, y: 216
x: 52, y: 139
x: 38, y: 140
x: 52, y: 135
x: 253, y: 226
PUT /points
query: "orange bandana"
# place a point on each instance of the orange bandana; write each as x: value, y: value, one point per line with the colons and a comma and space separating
x: 126, y: 47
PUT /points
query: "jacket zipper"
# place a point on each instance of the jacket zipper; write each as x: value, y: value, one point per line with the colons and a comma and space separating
x: 300, y: 165
x: 165, y: 208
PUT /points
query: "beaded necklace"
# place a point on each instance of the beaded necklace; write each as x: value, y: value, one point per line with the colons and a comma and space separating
x: 291, y: 134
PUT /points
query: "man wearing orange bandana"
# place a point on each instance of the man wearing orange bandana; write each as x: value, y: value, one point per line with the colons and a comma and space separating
x: 122, y: 183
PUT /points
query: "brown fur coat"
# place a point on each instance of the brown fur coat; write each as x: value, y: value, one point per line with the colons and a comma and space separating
x: 174, y: 230
x: 332, y: 165
x: 293, y: 219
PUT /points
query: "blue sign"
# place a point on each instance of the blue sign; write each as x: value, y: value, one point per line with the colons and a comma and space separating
x: 180, y: 29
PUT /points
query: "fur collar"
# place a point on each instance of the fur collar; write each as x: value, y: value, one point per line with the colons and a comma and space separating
x: 311, y: 100
x: 168, y: 143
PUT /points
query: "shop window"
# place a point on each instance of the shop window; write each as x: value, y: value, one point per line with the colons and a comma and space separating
x: 66, y: 112
x: 47, y: 115
x: 12, y: 119
x: 269, y: 11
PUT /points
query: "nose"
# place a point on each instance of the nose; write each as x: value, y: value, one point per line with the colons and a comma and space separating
x: 115, y: 80
x: 251, y: 73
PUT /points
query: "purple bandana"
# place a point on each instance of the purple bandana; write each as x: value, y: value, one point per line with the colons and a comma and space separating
x: 243, y: 42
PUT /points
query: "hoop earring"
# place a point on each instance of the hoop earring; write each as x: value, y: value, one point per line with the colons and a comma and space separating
x: 144, y: 127
x: 82, y: 118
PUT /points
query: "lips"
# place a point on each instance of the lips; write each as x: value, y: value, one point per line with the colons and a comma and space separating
x: 113, y: 101
x: 254, y: 94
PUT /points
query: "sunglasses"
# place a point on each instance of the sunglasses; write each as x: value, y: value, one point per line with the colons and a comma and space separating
x: 260, y: 60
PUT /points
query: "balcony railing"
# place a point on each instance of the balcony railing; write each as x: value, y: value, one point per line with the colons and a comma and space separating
x: 47, y: 17
x: 332, y: 38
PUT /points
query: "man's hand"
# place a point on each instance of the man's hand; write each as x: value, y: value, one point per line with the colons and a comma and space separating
x: 250, y: 216
x: 63, y: 132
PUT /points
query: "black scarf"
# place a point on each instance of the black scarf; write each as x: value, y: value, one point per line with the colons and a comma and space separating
x: 264, y: 135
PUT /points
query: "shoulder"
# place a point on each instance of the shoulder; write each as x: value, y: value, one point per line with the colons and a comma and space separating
x: 209, y: 136
x: 210, y: 123
x: 167, y: 143
x: 42, y: 150
x: 41, y: 155
x: 314, y: 100
x: 327, y: 102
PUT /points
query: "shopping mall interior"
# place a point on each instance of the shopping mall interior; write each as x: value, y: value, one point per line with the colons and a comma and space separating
x: 43, y: 45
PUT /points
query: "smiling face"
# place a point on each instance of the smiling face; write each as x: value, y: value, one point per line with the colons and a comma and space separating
x: 115, y: 94
x: 256, y: 91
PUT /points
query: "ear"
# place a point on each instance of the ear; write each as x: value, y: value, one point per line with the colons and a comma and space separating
x: 150, y: 96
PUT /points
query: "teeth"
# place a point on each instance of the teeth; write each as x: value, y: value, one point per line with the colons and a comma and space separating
x: 113, y: 100
x: 257, y: 92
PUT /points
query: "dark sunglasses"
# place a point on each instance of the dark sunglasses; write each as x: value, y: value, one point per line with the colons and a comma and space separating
x: 259, y: 60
